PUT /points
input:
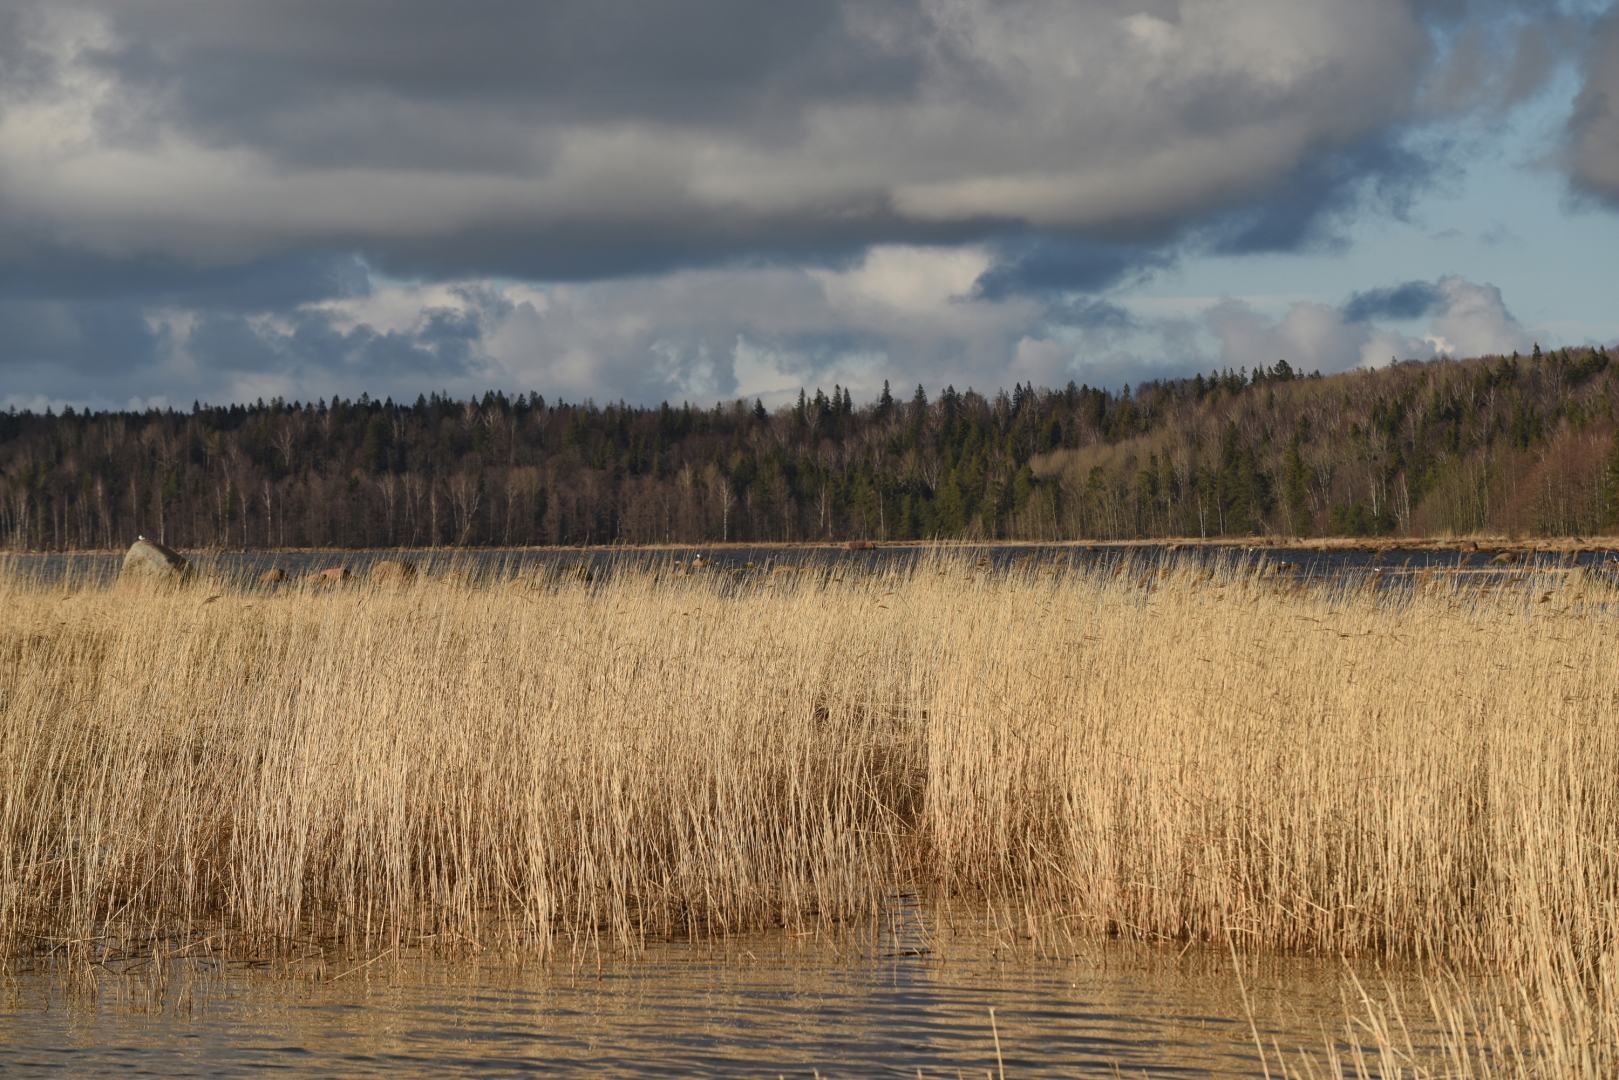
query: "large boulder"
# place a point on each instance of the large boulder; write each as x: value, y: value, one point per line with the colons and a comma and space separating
x: 148, y: 560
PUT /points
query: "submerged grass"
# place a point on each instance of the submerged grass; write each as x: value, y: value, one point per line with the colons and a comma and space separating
x: 1165, y: 752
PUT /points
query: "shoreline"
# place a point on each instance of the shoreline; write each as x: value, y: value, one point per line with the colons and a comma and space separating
x: 1367, y: 545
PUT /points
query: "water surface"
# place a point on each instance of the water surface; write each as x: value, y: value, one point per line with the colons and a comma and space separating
x: 1389, y: 566
x: 761, y: 1005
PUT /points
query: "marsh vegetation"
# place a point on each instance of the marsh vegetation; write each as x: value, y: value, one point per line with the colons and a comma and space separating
x: 551, y: 767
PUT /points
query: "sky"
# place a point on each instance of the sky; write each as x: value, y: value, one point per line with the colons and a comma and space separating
x: 598, y: 199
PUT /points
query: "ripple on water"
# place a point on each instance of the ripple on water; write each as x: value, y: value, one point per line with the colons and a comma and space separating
x: 751, y: 1007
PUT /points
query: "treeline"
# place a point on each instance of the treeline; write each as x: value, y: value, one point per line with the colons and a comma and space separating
x: 1516, y: 445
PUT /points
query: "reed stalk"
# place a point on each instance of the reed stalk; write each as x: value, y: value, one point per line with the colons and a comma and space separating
x: 1176, y: 752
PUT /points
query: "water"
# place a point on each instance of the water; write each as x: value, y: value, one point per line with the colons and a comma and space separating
x: 1390, y: 566
x: 764, y: 1005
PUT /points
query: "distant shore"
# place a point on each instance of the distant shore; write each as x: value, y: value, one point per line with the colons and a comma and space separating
x: 1521, y: 545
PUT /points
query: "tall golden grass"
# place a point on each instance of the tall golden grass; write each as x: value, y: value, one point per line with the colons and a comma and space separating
x: 1182, y: 753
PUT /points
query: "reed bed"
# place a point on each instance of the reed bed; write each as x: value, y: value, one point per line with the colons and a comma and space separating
x: 1171, y: 752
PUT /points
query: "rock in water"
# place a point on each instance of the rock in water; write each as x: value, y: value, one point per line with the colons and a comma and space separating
x: 150, y: 560
x: 393, y: 572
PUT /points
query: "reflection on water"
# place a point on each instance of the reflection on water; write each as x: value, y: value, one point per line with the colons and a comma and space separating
x: 763, y: 1005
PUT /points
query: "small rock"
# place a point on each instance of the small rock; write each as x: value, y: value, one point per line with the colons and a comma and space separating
x: 393, y: 572
x: 151, y: 561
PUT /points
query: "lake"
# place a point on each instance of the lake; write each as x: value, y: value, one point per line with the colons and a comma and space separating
x: 1304, y: 564
x: 760, y: 1005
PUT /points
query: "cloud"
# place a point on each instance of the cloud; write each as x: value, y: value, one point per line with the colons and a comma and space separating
x: 1593, y: 130
x: 611, y: 199
x: 1309, y: 337
x: 1309, y: 205
x: 904, y: 314
x: 1473, y: 320
x: 72, y: 342
x: 1495, y: 55
x: 1055, y: 265
x: 1467, y: 319
x: 576, y: 139
x: 1411, y: 300
x: 900, y: 313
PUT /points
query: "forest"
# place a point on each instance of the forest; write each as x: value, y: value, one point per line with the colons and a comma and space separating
x: 1518, y: 446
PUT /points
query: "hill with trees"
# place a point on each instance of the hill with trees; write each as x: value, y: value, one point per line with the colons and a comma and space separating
x: 1513, y: 445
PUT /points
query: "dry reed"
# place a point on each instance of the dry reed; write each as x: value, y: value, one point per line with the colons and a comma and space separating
x: 1182, y: 753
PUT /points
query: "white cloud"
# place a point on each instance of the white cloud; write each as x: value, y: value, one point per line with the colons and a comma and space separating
x: 1309, y: 336
x: 900, y: 313
x: 1469, y: 320
x: 1474, y: 321
x: 906, y: 315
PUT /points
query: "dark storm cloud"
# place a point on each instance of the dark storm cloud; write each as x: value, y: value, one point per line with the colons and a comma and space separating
x: 268, y: 74
x: 1311, y: 205
x: 1055, y: 264
x: 90, y: 319
x: 593, y: 250
x: 579, y: 138
x: 1089, y: 313
x: 283, y: 281
x: 1412, y: 300
x: 441, y: 344
x: 24, y: 68
x: 79, y: 341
